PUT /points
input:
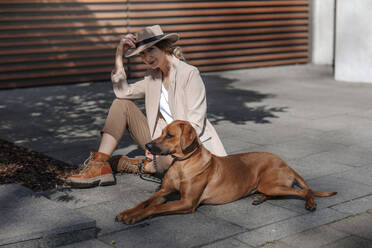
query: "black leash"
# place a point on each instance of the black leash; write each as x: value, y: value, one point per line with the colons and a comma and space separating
x: 148, y: 177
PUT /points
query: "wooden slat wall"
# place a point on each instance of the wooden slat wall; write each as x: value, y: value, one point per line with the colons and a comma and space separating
x: 224, y: 35
x: 45, y: 42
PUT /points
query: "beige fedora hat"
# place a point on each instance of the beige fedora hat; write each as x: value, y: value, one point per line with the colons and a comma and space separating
x: 148, y: 37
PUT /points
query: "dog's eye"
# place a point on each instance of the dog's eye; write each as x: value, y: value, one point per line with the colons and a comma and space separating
x: 168, y: 136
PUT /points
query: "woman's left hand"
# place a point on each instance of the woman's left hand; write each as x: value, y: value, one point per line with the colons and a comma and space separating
x: 149, y: 155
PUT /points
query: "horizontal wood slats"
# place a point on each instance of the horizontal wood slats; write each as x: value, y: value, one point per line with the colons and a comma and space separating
x: 223, y: 35
x: 155, y: 5
x: 45, y: 42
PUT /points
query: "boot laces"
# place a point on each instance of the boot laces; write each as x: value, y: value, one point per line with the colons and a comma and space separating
x: 83, y: 167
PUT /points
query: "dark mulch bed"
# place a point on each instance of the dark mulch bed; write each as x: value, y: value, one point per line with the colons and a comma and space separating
x: 31, y: 169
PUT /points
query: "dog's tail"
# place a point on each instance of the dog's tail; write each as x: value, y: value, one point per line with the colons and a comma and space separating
x: 301, y: 182
x: 323, y: 194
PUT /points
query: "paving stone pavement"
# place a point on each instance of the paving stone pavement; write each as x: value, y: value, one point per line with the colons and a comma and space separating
x: 320, y: 126
x: 31, y: 220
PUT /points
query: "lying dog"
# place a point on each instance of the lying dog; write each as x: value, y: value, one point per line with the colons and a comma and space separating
x: 203, y: 178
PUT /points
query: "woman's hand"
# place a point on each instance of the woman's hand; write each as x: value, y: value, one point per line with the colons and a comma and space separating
x: 149, y: 155
x: 127, y: 41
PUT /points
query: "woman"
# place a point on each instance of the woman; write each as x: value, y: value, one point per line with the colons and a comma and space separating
x: 173, y: 90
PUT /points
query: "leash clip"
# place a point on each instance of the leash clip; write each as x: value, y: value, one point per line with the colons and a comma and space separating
x: 145, y: 177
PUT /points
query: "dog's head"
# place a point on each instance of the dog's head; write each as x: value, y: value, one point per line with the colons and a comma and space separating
x: 178, y: 139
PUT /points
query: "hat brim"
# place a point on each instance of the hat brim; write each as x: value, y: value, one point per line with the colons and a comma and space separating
x: 173, y: 37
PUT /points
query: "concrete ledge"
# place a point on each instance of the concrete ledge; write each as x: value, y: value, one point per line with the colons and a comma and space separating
x: 29, y: 220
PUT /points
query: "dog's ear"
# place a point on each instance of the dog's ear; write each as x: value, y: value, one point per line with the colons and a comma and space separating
x: 189, y: 139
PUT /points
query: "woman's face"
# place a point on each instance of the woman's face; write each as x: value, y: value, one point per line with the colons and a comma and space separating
x: 153, y: 57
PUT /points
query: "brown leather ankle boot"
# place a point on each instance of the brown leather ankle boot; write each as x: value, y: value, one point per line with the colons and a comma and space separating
x: 130, y: 165
x: 96, y: 172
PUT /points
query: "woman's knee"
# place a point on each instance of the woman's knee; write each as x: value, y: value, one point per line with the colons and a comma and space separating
x: 123, y: 102
x: 122, y: 105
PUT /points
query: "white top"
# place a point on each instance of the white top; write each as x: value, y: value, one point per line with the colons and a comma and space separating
x: 164, y: 105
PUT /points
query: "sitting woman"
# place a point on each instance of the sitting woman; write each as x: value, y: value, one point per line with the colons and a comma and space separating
x: 173, y: 90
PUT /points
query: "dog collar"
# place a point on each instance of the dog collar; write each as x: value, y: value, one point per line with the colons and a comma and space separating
x: 187, y: 157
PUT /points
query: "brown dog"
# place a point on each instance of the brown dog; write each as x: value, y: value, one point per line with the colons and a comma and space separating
x: 203, y: 178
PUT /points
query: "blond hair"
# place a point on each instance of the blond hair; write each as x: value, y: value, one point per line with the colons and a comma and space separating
x: 167, y: 46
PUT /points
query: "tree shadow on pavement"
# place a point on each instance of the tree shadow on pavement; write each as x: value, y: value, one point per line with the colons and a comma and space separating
x: 229, y: 103
x: 63, y: 121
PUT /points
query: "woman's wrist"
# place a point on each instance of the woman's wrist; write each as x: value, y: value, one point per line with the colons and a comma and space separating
x: 120, y: 49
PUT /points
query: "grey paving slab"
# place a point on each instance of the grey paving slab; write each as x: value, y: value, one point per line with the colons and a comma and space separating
x: 187, y: 230
x: 129, y: 181
x: 105, y: 213
x: 228, y: 243
x: 358, y: 136
x: 344, y: 123
x: 363, y: 113
x: 290, y: 226
x: 224, y: 98
x: 276, y: 244
x: 53, y: 240
x: 93, y: 243
x: 317, y: 165
x: 346, y: 190
x: 78, y: 198
x: 300, y: 123
x: 232, y: 145
x: 314, y: 238
x: 358, y: 225
x: 355, y: 206
x: 314, y: 109
x: 245, y: 214
x: 14, y: 197
x: 343, y: 128
x: 350, y: 155
x: 350, y: 242
x: 227, y: 129
x: 104, y: 203
x: 275, y: 134
x: 31, y: 219
x: 359, y: 175
x: 302, y: 148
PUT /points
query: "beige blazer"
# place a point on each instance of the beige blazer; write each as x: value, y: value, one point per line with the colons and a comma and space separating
x: 186, y: 98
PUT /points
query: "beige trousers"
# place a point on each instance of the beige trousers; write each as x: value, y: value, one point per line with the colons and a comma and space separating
x: 125, y: 115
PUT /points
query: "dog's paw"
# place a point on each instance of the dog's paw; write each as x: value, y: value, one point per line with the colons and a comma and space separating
x: 119, y: 217
x: 311, y: 207
x: 122, y: 217
x: 258, y: 199
x: 128, y: 218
